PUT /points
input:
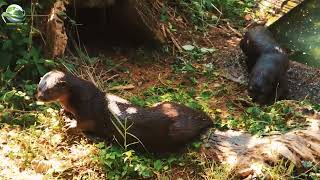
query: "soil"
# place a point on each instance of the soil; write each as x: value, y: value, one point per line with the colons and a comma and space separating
x: 304, y: 81
x: 147, y: 70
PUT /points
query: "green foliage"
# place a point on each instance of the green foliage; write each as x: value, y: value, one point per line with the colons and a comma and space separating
x: 182, y: 94
x: 204, y: 13
x: 183, y: 66
x: 312, y: 172
x: 14, y: 43
x: 197, y: 52
x: 234, y: 9
x: 200, y: 12
x: 261, y: 121
x: 17, y: 106
x: 191, y: 61
x: 121, y: 164
x: 17, y: 52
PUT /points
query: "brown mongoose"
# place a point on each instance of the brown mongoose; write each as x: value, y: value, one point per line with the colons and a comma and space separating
x: 164, y: 128
x: 77, y: 96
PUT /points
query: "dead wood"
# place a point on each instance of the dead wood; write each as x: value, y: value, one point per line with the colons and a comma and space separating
x: 56, y: 36
x: 242, y: 151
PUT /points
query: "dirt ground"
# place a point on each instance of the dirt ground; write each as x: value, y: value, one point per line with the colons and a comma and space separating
x: 304, y: 81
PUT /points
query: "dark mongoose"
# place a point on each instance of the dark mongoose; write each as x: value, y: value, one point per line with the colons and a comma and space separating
x: 162, y: 128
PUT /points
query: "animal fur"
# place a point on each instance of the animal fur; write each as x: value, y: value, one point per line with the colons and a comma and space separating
x: 165, y: 127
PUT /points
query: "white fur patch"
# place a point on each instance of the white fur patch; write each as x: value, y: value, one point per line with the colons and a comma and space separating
x: 114, y: 108
x: 131, y: 110
x: 114, y: 98
x: 113, y: 102
x: 279, y: 49
x: 50, y: 79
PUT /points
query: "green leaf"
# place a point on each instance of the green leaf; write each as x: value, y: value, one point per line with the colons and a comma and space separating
x: 8, y: 74
x: 100, y: 145
x: 1, y: 107
x: 158, y: 165
x: 188, y: 47
x: 207, y: 50
x: 41, y: 69
x: 196, y: 145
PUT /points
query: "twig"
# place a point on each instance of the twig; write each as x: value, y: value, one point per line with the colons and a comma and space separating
x: 160, y: 80
x: 126, y: 87
x: 117, y: 65
x: 234, y: 30
x: 112, y: 77
x: 173, y: 39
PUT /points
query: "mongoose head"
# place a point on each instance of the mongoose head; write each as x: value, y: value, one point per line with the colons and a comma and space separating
x: 52, y: 87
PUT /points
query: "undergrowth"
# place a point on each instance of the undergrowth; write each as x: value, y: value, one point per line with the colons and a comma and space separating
x: 33, y: 140
x: 18, y: 53
x: 279, y: 117
x: 206, y: 13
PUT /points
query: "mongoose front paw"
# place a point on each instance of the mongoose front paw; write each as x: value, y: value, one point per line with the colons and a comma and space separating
x: 70, y: 123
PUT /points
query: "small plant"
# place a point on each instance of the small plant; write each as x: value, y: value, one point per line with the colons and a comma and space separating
x: 17, y: 51
x: 197, y: 52
x: 276, y: 118
x: 183, y: 66
x: 204, y: 13
x: 283, y: 169
x: 182, y: 95
x: 126, y: 164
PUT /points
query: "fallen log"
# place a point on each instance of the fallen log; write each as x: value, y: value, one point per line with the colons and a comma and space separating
x: 246, y: 154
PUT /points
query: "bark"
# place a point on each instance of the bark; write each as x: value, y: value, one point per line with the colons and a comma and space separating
x: 247, y: 154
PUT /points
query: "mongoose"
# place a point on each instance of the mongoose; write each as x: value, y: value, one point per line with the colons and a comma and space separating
x: 257, y: 41
x: 267, y: 65
x: 163, y: 128
x: 268, y: 80
x: 77, y: 96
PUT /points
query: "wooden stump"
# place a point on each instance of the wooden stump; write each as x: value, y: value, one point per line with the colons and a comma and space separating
x: 56, y: 37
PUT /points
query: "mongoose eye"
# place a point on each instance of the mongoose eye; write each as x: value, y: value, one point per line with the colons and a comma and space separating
x: 62, y: 84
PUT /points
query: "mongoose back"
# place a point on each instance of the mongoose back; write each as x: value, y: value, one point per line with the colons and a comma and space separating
x: 258, y: 41
x: 268, y: 80
x: 267, y: 65
x: 163, y: 128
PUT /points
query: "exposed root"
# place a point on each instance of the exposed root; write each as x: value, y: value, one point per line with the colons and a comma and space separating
x: 242, y: 151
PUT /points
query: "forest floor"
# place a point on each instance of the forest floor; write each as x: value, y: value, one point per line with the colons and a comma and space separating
x: 208, y: 74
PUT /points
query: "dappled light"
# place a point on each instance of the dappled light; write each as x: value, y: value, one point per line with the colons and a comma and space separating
x: 166, y: 89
